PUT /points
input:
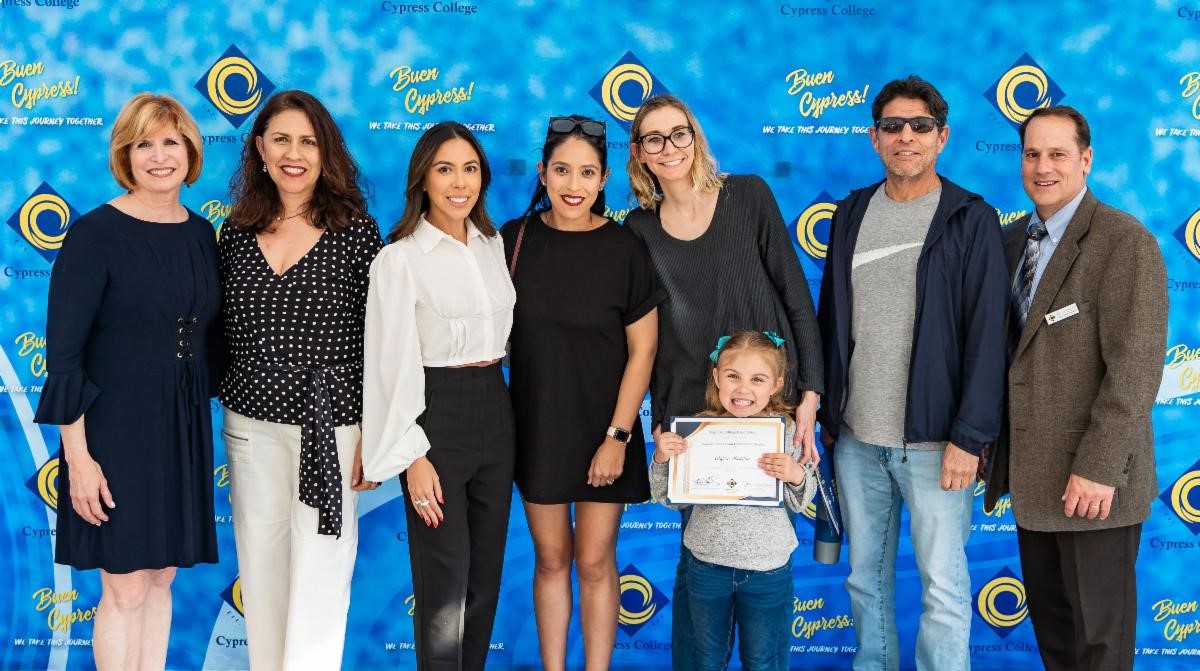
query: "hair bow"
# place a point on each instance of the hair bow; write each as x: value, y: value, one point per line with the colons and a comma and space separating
x: 774, y: 338
x: 717, y: 350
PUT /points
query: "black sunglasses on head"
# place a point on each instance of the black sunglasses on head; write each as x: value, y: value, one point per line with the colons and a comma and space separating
x: 565, y: 124
x: 895, y: 124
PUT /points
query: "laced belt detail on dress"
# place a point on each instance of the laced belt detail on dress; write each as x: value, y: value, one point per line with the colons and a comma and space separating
x: 187, y: 326
x: 191, y: 385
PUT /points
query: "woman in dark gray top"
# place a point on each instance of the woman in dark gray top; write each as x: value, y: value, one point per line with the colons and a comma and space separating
x: 721, y: 250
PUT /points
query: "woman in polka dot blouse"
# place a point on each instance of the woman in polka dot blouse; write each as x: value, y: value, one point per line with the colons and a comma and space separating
x: 295, y: 253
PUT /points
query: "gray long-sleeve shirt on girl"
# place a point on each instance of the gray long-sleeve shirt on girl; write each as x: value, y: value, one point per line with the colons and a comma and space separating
x: 753, y: 538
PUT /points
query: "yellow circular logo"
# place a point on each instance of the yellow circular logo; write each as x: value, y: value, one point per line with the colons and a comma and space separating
x: 810, y: 510
x: 1191, y: 234
x: 610, y: 89
x: 806, y: 228
x: 1006, y: 91
x: 236, y: 593
x: 33, y: 209
x: 988, y: 609
x: 1179, y: 497
x: 642, y: 586
x: 47, y: 482
x: 220, y: 73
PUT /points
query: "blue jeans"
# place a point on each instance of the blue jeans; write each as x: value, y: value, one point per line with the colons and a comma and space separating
x: 683, y: 643
x: 874, y: 482
x: 756, y: 602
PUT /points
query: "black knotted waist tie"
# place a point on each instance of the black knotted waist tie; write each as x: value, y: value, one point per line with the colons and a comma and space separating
x: 322, y: 487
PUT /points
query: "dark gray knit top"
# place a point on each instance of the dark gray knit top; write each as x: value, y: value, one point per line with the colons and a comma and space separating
x: 742, y: 273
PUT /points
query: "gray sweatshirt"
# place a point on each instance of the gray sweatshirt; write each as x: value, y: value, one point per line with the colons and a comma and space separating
x: 754, y: 538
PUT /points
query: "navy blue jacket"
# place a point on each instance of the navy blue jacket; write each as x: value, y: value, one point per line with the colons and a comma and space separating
x: 956, y: 373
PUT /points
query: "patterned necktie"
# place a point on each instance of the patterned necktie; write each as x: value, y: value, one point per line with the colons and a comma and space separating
x: 1022, y: 290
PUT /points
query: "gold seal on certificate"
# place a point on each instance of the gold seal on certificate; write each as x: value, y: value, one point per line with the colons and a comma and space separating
x: 721, y: 462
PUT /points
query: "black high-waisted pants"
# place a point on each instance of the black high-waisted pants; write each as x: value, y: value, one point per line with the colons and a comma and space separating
x: 456, y: 566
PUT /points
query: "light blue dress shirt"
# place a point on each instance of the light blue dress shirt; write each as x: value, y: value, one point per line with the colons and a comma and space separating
x: 1056, y: 225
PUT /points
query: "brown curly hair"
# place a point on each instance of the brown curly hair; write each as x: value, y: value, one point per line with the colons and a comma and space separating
x: 338, y: 198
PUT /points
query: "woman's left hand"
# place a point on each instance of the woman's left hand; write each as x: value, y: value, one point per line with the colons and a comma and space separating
x: 782, y: 467
x: 806, y: 422
x: 357, y: 483
x: 607, y: 464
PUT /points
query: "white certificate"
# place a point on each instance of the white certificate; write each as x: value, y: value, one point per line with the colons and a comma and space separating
x: 721, y: 462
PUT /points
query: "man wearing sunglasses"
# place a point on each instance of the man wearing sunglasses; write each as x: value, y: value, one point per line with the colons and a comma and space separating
x: 1087, y: 337
x: 912, y: 311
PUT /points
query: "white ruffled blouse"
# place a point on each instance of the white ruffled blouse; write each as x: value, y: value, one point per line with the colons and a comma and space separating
x: 434, y: 302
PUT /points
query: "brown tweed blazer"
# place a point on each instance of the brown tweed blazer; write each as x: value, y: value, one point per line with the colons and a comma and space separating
x: 1080, y: 390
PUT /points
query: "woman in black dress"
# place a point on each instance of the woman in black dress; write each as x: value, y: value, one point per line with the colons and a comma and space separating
x: 132, y: 296
x: 584, y: 337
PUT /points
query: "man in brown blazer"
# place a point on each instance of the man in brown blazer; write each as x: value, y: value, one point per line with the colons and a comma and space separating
x: 1087, y: 340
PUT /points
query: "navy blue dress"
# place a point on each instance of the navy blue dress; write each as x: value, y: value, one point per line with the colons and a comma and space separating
x: 132, y: 304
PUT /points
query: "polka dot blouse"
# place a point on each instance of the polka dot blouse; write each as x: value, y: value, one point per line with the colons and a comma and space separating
x: 296, y: 346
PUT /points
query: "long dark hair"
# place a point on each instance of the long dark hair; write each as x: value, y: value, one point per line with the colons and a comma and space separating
x: 540, y: 202
x: 416, y: 201
x: 338, y: 197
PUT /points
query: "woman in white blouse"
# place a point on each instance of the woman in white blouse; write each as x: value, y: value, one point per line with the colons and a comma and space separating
x: 436, y: 409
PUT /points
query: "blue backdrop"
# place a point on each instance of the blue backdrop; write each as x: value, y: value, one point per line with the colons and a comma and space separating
x: 783, y: 90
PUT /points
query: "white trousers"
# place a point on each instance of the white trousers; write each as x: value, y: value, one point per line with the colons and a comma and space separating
x: 295, y: 582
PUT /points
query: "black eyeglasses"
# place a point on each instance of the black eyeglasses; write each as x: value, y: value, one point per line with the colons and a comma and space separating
x: 565, y: 124
x: 654, y: 143
x: 895, y: 124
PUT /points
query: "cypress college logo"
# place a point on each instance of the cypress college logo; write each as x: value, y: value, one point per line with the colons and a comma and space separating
x: 624, y: 88
x: 43, y: 220
x: 1188, y: 235
x: 44, y: 483
x: 1000, y: 603
x: 235, y: 86
x: 810, y: 230
x: 640, y: 601
x: 1022, y: 89
x: 233, y: 595
x: 1183, y: 498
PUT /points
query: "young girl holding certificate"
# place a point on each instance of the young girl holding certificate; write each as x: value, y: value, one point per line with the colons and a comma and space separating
x: 740, y: 569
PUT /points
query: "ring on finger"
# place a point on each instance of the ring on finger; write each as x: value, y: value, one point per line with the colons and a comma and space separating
x: 421, y: 502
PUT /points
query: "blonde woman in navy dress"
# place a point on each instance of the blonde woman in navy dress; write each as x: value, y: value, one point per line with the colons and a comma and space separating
x: 295, y: 252
x: 133, y: 294
x: 435, y: 407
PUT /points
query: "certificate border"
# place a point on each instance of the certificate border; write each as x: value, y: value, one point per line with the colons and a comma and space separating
x: 679, y: 467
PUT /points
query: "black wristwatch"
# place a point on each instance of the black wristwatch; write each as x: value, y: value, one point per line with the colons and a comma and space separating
x: 619, y: 434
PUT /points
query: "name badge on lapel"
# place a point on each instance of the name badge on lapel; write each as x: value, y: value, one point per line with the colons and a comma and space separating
x: 1062, y: 313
